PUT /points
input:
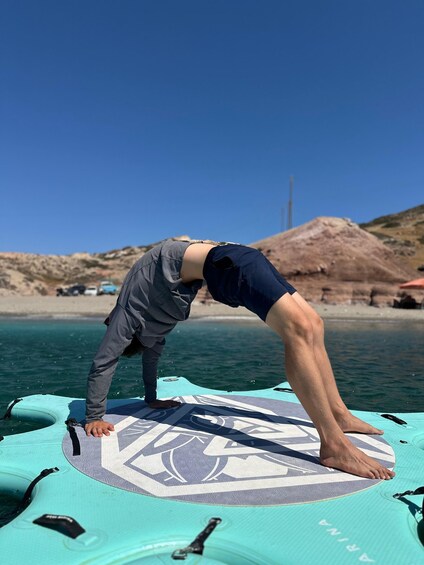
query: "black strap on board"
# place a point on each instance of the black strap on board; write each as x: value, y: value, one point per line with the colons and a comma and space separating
x: 8, y: 412
x: 27, y: 496
x: 419, y: 490
x: 282, y: 389
x: 71, y: 424
x: 65, y: 525
x: 197, y: 545
x: 394, y: 418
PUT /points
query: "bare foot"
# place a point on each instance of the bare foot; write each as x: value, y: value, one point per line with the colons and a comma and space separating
x: 343, y: 455
x: 350, y: 423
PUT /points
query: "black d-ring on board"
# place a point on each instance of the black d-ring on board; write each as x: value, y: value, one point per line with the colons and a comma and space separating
x: 394, y: 418
x: 27, y: 496
x: 71, y: 424
x: 8, y: 412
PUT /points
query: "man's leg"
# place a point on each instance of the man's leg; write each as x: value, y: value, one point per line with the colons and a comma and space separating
x: 347, y: 421
x: 290, y: 322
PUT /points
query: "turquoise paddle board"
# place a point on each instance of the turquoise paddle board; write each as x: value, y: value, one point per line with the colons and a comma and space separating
x: 225, y: 478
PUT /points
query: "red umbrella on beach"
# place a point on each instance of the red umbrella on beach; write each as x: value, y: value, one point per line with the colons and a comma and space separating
x: 417, y: 284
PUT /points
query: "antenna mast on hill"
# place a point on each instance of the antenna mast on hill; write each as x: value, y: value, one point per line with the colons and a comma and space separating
x: 290, y: 207
x: 283, y: 219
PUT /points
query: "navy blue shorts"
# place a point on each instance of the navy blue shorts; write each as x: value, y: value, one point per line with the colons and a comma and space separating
x: 237, y: 275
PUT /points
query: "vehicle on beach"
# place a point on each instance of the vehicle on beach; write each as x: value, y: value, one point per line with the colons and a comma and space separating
x: 107, y: 287
x: 91, y: 291
x: 74, y: 290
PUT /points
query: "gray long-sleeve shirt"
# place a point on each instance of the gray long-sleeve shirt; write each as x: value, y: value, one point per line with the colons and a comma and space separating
x: 153, y: 299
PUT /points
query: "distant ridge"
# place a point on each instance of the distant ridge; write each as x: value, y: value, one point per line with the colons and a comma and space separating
x: 31, y: 274
x: 403, y: 233
x: 329, y: 260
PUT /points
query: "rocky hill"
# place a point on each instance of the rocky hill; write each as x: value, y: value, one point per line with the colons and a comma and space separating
x: 403, y: 233
x: 27, y: 274
x: 330, y: 260
x: 333, y: 260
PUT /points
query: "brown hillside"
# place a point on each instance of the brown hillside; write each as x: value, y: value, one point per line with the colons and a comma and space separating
x: 28, y: 274
x: 333, y: 260
x: 403, y: 233
x: 329, y: 260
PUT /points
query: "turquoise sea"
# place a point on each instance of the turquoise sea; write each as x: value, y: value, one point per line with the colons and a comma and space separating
x: 379, y: 365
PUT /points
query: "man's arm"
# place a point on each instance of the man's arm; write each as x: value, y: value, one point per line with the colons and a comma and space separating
x: 118, y: 335
x: 151, y: 358
x: 150, y: 370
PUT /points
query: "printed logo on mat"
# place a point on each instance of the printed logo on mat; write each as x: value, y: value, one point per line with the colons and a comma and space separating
x: 230, y: 450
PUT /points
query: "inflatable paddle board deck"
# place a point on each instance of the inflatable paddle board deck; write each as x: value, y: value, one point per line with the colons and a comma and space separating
x: 226, y: 478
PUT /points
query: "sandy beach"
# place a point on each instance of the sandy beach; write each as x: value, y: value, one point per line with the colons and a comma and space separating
x: 99, y: 306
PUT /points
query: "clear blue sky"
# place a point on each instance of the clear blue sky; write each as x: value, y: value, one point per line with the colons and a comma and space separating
x: 128, y: 121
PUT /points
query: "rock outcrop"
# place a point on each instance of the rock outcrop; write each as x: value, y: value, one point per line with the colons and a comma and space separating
x: 333, y: 260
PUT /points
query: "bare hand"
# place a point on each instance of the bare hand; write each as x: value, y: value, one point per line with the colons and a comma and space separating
x: 164, y: 404
x: 98, y: 428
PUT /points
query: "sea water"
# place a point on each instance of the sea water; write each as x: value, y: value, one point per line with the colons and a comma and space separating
x: 379, y: 365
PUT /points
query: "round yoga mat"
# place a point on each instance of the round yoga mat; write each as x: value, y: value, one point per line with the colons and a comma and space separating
x: 219, y: 449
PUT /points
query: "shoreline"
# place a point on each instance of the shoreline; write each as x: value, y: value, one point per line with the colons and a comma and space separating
x: 52, y: 307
